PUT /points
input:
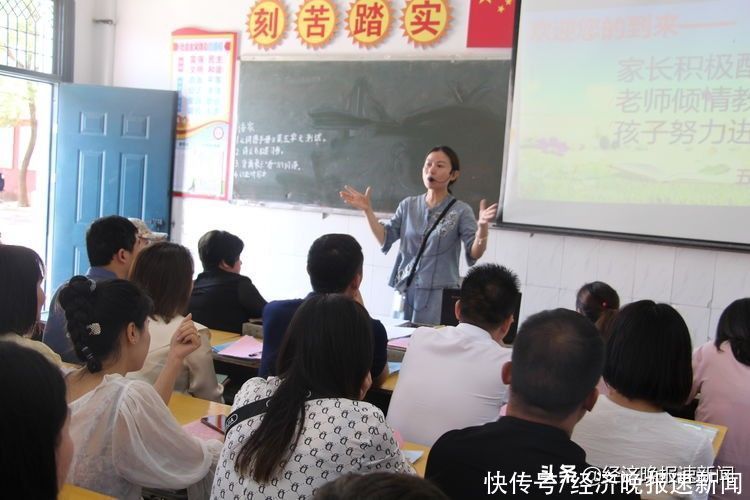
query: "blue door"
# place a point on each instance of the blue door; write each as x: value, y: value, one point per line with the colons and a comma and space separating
x: 115, y: 148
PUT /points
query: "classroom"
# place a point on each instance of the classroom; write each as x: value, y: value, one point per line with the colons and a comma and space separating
x: 129, y: 44
x: 700, y: 283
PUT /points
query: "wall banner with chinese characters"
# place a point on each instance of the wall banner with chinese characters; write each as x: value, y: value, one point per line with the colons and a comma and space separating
x: 266, y: 23
x: 425, y: 22
x: 203, y: 74
x: 368, y: 22
x: 316, y: 23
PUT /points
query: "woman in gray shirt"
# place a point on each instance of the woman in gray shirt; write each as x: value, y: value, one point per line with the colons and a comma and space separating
x: 437, y: 268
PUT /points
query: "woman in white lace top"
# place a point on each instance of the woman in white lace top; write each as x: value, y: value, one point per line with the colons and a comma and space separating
x: 313, y: 426
x: 125, y: 436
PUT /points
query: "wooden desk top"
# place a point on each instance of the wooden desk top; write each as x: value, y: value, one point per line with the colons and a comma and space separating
x: 70, y: 492
x: 219, y: 337
x: 390, y: 382
x: 187, y: 409
x: 421, y: 464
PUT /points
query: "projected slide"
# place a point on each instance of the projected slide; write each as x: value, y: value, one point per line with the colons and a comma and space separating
x: 625, y: 110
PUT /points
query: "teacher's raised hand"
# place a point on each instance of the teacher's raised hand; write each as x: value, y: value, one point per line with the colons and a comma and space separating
x: 486, y: 214
x: 362, y: 201
x: 356, y: 199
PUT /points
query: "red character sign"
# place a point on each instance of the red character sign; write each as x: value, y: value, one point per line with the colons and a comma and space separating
x: 266, y: 23
x: 424, y: 22
x: 316, y: 22
x: 368, y: 22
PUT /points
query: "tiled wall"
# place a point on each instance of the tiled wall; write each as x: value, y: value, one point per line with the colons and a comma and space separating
x: 699, y: 283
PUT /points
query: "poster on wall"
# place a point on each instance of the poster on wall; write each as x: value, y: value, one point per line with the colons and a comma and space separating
x: 203, y: 74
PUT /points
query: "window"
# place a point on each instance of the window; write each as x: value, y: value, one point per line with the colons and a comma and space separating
x: 27, y: 34
x: 34, y: 38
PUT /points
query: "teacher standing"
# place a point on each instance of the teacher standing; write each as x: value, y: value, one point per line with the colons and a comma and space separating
x: 435, y: 223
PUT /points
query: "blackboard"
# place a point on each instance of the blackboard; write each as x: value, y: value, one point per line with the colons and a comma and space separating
x: 306, y: 128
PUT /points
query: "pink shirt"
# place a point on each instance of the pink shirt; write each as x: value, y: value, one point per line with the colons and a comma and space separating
x: 724, y: 386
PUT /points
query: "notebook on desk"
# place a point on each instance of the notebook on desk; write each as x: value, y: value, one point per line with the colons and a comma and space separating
x: 245, y: 347
x: 399, y: 343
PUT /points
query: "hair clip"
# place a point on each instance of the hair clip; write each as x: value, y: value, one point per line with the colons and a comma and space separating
x: 94, y: 329
x: 604, y: 304
x: 92, y: 286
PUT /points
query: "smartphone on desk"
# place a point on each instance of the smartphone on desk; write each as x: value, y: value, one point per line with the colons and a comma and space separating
x: 215, y: 422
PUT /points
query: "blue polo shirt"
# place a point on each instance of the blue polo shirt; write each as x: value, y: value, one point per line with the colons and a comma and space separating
x: 276, y: 318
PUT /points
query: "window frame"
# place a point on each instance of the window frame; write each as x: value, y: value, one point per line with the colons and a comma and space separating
x: 62, y: 48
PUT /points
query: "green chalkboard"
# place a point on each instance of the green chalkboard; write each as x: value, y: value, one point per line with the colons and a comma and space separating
x: 306, y: 128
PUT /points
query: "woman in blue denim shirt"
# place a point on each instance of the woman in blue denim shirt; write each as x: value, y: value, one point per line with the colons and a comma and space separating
x: 438, y: 267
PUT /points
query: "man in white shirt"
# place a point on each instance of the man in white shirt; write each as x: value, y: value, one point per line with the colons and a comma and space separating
x: 450, y: 377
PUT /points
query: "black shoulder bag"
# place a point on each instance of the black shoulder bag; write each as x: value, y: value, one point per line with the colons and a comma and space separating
x: 410, y: 278
x: 253, y: 409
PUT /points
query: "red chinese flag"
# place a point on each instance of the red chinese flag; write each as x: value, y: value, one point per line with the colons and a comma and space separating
x: 491, y: 23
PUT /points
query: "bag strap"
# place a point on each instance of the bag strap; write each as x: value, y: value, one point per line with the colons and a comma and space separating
x: 253, y: 409
x: 424, y: 242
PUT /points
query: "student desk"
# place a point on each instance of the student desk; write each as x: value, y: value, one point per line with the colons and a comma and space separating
x: 70, y: 492
x: 187, y: 409
x: 390, y: 383
x: 219, y: 337
x: 238, y: 370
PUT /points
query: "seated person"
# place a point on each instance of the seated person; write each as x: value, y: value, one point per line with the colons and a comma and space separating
x: 721, y: 374
x: 334, y: 263
x: 36, y: 445
x: 223, y: 299
x: 126, y: 437
x: 309, y: 425
x: 379, y: 486
x: 449, y: 376
x: 21, y: 303
x: 165, y: 272
x: 557, y: 359
x: 112, y: 243
x: 599, y: 302
x: 648, y: 369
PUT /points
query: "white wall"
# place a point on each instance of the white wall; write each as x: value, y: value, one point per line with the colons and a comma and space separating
x: 94, y: 41
x: 699, y: 283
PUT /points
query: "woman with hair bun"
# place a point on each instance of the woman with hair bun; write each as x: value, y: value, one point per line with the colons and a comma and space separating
x: 599, y: 302
x: 125, y: 435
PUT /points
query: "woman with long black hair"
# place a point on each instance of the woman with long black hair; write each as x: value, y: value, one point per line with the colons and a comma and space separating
x: 309, y: 425
x: 36, y: 445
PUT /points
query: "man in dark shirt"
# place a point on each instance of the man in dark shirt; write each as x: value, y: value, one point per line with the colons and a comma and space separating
x: 223, y: 299
x: 557, y: 360
x: 334, y: 263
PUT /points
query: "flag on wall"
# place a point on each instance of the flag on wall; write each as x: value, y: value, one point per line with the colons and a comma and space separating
x: 491, y: 23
